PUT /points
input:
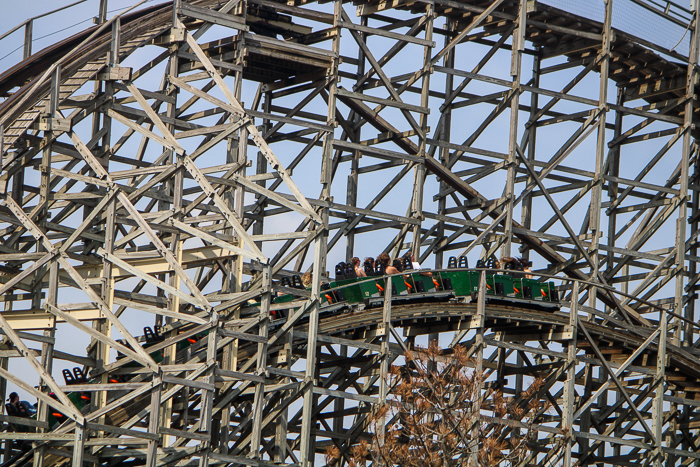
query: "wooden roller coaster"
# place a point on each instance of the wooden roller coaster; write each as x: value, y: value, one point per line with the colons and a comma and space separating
x: 167, y: 176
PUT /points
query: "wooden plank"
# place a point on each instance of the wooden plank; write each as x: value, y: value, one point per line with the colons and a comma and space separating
x: 389, y: 34
x: 340, y: 341
x: 159, y: 311
x: 372, y: 151
x: 213, y: 16
x: 120, y: 431
x: 188, y: 383
x: 346, y: 395
x: 184, y: 434
x: 241, y: 376
x: 24, y: 421
x: 242, y: 335
x: 378, y: 100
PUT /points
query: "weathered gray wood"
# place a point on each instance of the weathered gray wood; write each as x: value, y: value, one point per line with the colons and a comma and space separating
x: 213, y: 16
x: 166, y: 206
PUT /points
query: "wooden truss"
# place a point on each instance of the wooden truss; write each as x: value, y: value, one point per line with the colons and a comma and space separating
x: 173, y: 163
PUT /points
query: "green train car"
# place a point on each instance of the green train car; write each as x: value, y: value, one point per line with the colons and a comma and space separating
x: 82, y: 398
x: 458, y: 282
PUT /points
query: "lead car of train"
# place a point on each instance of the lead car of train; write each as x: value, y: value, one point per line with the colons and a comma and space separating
x: 347, y: 291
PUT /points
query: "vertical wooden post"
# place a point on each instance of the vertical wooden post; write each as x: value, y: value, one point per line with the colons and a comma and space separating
x: 153, y: 420
x: 237, y: 152
x: 102, y: 12
x: 176, y: 188
x: 28, y: 31
x: 445, y: 134
x: 479, y: 320
x: 280, y: 449
x: 419, y: 171
x: 207, y: 404
x: 681, y: 238
x: 52, y: 296
x: 261, y: 167
x: 259, y: 396
x: 306, y: 454
x: 385, y: 358
x: 320, y: 247
x: 103, y: 325
x: 3, y: 187
x: 596, y: 192
x: 570, y: 385
x: 78, y: 445
x: 613, y: 192
x: 515, y: 71
x: 353, y: 178
x: 526, y: 213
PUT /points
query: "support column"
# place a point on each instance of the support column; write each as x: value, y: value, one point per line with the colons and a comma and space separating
x: 681, y: 229
x: 262, y: 168
x: 176, y: 189
x: 515, y: 71
x: 613, y: 192
x: 601, y: 147
x: 285, y: 357
x: 27, y: 49
x: 570, y: 385
x: 237, y: 153
x: 419, y: 171
x: 103, y: 325
x: 445, y: 134
x: 259, y: 397
x: 153, y: 420
x: 207, y: 404
x: 385, y: 358
x: 102, y: 12
x: 52, y: 296
x: 681, y: 237
x: 306, y: 455
x: 478, y: 366
x: 78, y: 445
x: 689, y: 310
x: 353, y: 178
x: 7, y: 443
x: 307, y: 441
x: 596, y: 193
x: 526, y: 212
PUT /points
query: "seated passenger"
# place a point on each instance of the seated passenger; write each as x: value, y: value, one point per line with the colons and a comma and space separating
x: 359, y: 272
x: 385, y: 261
x: 526, y: 267
x: 15, y: 408
x: 307, y: 279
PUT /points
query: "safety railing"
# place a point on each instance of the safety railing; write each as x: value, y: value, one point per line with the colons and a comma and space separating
x: 28, y: 25
x: 668, y: 10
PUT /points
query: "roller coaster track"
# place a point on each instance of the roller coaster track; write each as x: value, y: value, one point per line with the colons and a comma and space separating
x: 127, y: 201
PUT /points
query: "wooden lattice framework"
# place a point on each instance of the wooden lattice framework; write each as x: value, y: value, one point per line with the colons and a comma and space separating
x: 177, y: 160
